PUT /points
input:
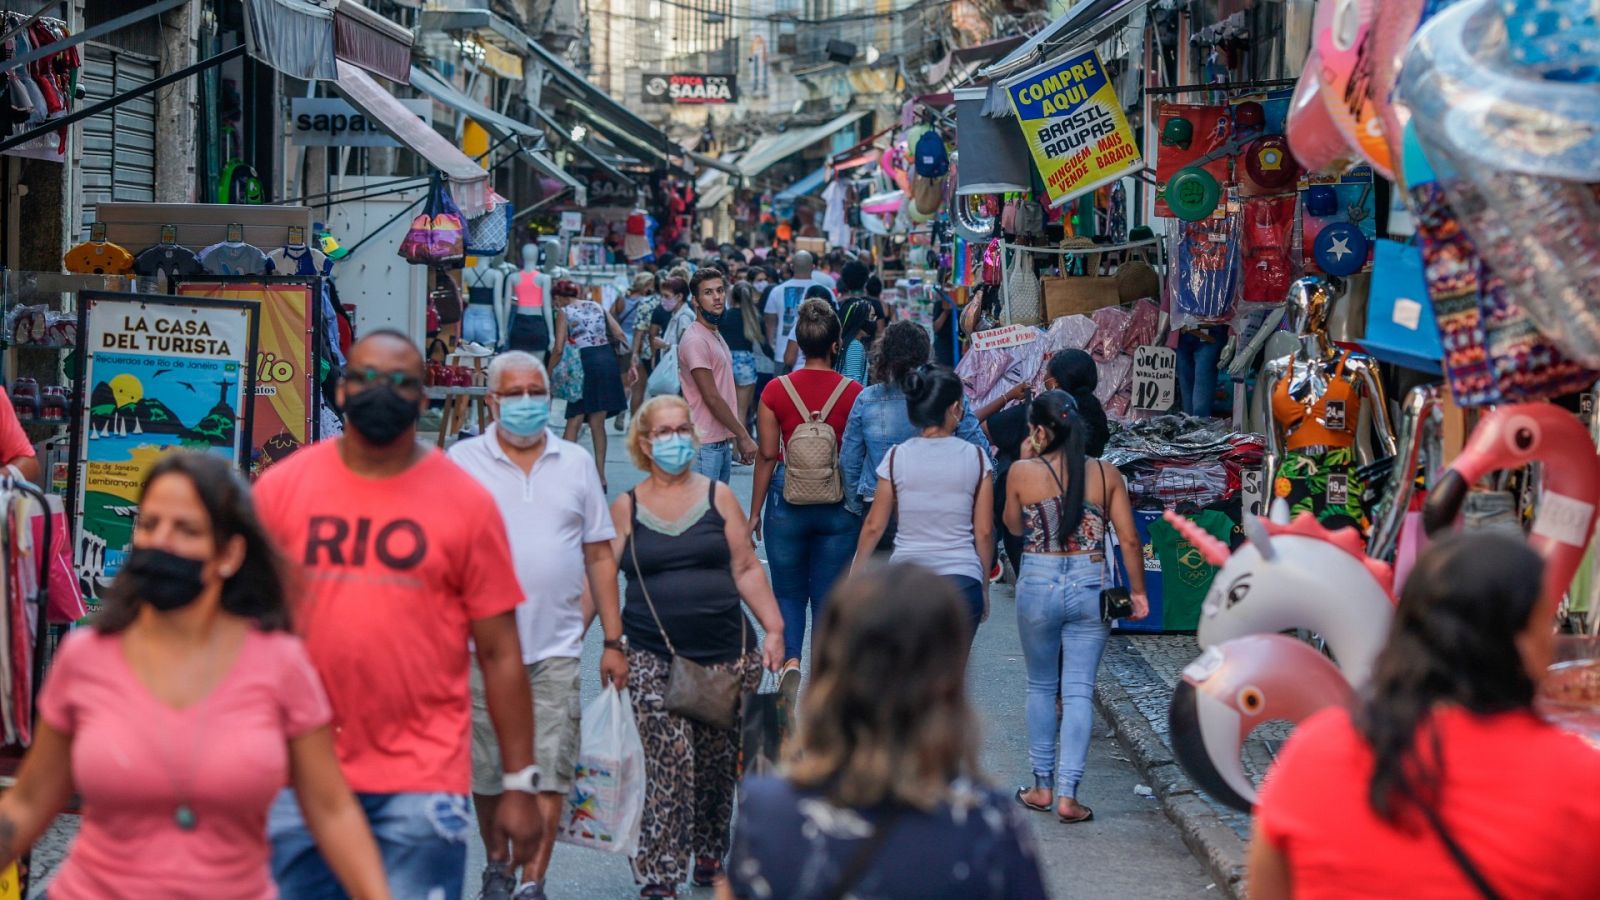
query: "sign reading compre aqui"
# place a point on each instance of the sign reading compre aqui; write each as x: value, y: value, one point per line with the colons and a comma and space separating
x: 1074, y: 125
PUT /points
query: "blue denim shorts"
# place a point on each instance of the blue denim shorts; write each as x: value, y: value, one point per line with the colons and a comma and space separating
x: 422, y: 837
x: 744, y: 368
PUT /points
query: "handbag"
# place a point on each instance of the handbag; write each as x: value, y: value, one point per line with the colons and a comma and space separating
x: 490, y: 233
x: 1116, y: 602
x: 438, y: 235
x: 445, y: 300
x: 763, y: 725
x: 706, y: 695
x: 566, y: 380
x: 1023, y: 298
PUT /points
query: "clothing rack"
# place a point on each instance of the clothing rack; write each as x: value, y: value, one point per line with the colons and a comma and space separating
x: 1242, y: 86
x: 1078, y: 251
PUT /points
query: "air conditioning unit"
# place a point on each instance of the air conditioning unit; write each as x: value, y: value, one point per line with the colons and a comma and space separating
x: 841, y: 52
x: 787, y: 43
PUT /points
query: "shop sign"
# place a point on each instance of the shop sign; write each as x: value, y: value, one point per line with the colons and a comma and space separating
x: 1074, y: 126
x: 285, y: 398
x: 1155, y: 378
x: 332, y: 122
x: 690, y: 87
x: 162, y: 375
x: 604, y: 189
x: 1006, y: 336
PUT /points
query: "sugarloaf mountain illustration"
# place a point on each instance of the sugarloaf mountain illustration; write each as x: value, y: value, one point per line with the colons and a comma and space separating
x: 121, y: 407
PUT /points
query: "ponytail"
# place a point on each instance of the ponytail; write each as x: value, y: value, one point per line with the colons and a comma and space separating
x: 1057, y: 413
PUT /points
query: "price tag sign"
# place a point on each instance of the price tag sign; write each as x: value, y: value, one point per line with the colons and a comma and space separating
x: 1155, y: 378
x: 1006, y: 336
x: 1254, y: 498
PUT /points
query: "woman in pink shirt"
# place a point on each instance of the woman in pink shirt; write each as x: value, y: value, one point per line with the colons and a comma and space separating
x: 180, y: 715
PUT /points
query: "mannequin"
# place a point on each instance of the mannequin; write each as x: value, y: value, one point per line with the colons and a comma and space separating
x: 1317, y: 396
x: 529, y: 320
x: 486, y: 319
x: 1421, y: 430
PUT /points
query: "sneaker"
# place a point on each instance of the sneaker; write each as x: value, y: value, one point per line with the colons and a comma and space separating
x: 658, y: 890
x: 789, y: 686
x: 497, y: 882
x: 530, y: 890
x: 619, y: 423
x: 707, y: 868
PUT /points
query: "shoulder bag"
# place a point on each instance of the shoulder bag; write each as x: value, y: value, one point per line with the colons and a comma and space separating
x: 1115, y: 600
x: 706, y: 695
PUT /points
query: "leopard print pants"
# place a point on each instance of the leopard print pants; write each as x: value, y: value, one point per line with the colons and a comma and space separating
x: 689, y: 773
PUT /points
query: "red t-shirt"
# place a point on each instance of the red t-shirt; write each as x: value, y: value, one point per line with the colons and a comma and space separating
x: 1521, y: 797
x: 14, y: 443
x: 814, y: 386
x: 394, y: 570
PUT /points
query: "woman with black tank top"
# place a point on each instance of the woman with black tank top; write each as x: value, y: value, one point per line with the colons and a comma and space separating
x: 1062, y: 504
x: 684, y: 546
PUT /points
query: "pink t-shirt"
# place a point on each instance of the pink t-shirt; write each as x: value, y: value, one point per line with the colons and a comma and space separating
x: 14, y: 441
x: 228, y: 753
x: 703, y: 348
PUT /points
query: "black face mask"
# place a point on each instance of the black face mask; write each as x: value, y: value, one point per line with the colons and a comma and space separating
x: 380, y: 413
x: 164, y: 580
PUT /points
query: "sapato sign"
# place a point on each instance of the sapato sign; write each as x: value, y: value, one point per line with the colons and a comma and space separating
x: 331, y: 122
x: 690, y: 87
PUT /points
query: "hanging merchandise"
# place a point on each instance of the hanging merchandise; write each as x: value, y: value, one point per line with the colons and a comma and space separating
x: 98, y: 258
x: 1205, y: 277
x: 1340, y: 249
x: 1268, y: 271
x: 490, y: 233
x: 1269, y: 164
x: 234, y: 257
x: 932, y: 157
x: 438, y: 234
x: 1192, y: 194
x: 169, y: 259
x: 239, y: 182
x: 1341, y: 34
x: 1345, y: 201
x: 1400, y: 325
x: 1024, y: 300
x: 1196, y: 144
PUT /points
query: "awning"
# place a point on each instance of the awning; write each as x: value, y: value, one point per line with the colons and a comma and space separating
x: 580, y: 191
x: 304, y: 38
x: 580, y: 147
x: 805, y: 186
x: 623, y: 138
x: 993, y: 156
x: 578, y: 87
x: 505, y: 128
x: 714, y: 195
x: 1073, y: 27
x: 773, y: 148
x: 469, y: 182
x: 703, y: 160
x: 482, y: 21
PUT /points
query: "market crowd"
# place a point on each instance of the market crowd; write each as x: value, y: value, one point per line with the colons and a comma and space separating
x: 326, y: 684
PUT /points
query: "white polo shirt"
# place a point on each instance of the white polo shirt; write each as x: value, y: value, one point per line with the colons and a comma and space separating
x: 550, y: 513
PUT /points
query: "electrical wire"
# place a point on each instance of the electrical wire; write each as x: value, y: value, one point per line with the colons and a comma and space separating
x: 780, y: 18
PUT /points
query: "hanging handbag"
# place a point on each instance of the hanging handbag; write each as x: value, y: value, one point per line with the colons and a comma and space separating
x: 1023, y: 301
x: 1116, y: 602
x: 706, y: 695
x: 490, y: 233
x: 445, y: 300
x: 1030, y: 219
x: 438, y: 235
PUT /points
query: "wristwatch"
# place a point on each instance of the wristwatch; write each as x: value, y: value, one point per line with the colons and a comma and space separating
x: 526, y: 781
x: 620, y: 643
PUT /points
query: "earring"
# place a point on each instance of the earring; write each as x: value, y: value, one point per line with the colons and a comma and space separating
x: 227, y: 573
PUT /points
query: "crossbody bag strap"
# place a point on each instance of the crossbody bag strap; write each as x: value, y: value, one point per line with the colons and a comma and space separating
x: 862, y: 860
x: 633, y: 554
x: 1459, y: 854
x: 1109, y: 540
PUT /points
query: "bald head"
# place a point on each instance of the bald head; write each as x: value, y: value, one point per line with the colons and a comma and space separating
x: 387, y: 350
x: 803, y: 262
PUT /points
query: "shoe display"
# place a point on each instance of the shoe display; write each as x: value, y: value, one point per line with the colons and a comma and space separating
x: 497, y: 882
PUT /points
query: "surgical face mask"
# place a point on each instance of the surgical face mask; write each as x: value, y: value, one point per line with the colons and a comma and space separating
x: 380, y: 413
x: 711, y: 318
x: 164, y: 580
x: 761, y: 284
x: 524, y: 415
x: 669, y: 302
x: 672, y: 453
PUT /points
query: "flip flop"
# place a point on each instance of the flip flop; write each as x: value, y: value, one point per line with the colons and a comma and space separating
x: 1042, y: 807
x: 1088, y: 816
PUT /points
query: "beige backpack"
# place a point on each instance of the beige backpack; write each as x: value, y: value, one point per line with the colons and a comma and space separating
x: 811, y: 457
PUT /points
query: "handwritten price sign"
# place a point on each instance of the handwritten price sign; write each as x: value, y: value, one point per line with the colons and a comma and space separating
x: 1155, y: 378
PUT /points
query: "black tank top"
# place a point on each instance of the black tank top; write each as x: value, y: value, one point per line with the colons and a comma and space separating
x: 690, y: 576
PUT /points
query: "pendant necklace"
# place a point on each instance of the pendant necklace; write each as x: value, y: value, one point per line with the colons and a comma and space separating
x: 183, y: 814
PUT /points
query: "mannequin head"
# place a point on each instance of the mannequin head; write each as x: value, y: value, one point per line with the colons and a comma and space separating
x: 1310, y: 303
x: 530, y: 256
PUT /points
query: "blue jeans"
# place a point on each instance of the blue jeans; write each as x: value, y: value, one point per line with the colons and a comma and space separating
x: 1197, y: 369
x: 808, y: 548
x: 715, y: 461
x: 972, y: 592
x: 423, y: 839
x: 1058, y: 616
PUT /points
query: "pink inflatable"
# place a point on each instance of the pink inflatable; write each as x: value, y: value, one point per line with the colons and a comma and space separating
x: 1313, y: 138
x: 1341, y: 36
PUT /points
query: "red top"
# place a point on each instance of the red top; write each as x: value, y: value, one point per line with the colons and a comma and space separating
x: 1521, y: 797
x: 394, y: 572
x: 14, y: 443
x: 814, y: 387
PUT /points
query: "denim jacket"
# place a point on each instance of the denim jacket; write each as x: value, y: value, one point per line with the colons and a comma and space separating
x: 879, y: 421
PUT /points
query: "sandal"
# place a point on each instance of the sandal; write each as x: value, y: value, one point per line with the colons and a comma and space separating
x: 1036, y: 807
x: 1088, y: 816
x: 706, y: 870
x: 658, y: 890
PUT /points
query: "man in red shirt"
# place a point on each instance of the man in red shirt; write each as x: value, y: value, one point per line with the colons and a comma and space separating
x: 16, y: 451
x: 705, y: 374
x: 403, y: 560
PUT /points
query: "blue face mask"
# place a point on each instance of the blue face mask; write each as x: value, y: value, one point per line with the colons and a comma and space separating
x: 524, y: 416
x: 672, y: 453
x: 712, y: 319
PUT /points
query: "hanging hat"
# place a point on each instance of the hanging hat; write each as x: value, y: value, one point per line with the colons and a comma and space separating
x: 1192, y: 194
x: 1250, y: 116
x: 1321, y: 201
x: 1178, y: 132
x: 328, y: 244
x: 1269, y: 164
x: 1341, y: 249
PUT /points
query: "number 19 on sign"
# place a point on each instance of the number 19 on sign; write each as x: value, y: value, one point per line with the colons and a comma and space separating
x: 1155, y: 378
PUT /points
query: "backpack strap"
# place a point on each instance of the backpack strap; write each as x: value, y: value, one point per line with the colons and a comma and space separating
x: 838, y: 391
x: 800, y: 405
x: 891, y: 472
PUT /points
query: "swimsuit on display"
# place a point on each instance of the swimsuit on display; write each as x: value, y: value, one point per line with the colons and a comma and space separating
x: 1329, y: 421
x: 1318, y: 474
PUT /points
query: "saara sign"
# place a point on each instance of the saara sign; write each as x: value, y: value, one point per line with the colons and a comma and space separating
x: 331, y: 122
x: 1074, y: 125
x: 690, y: 87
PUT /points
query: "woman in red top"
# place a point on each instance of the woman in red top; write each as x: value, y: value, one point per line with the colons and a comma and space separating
x: 1444, y: 783
x: 183, y: 711
x: 808, y: 545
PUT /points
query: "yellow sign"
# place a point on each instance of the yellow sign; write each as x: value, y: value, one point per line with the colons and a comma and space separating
x: 1074, y: 125
x: 10, y: 883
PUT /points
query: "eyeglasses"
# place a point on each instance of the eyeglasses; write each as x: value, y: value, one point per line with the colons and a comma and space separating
x: 365, y: 378
x: 684, y: 430
x: 525, y: 392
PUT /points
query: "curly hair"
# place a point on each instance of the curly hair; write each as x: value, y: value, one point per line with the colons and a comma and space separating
x: 904, y: 347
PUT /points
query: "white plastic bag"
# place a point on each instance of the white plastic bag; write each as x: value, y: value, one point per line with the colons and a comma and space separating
x: 664, y: 377
x: 606, y: 804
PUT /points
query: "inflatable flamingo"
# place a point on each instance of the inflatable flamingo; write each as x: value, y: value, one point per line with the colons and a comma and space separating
x: 1234, y: 687
x: 1298, y: 575
x: 1510, y: 437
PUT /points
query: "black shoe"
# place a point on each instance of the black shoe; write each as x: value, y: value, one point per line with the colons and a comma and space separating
x: 497, y: 882
x: 706, y: 870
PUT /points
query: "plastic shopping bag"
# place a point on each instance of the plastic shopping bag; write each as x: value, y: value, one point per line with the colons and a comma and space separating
x: 606, y: 803
x: 664, y: 377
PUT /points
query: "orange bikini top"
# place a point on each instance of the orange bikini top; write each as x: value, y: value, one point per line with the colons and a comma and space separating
x: 1326, y: 422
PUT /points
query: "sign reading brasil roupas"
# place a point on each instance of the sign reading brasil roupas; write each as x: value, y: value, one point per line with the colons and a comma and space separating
x: 690, y: 87
x: 1073, y: 122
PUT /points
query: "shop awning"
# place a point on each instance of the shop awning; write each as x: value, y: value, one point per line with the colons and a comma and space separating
x: 805, y: 186
x: 469, y: 182
x: 504, y: 128
x: 580, y: 191
x: 701, y: 159
x: 626, y: 139
x: 773, y: 148
x: 305, y: 38
x: 993, y: 156
x: 714, y: 195
x: 580, y: 147
x: 1077, y: 25
x: 578, y: 87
